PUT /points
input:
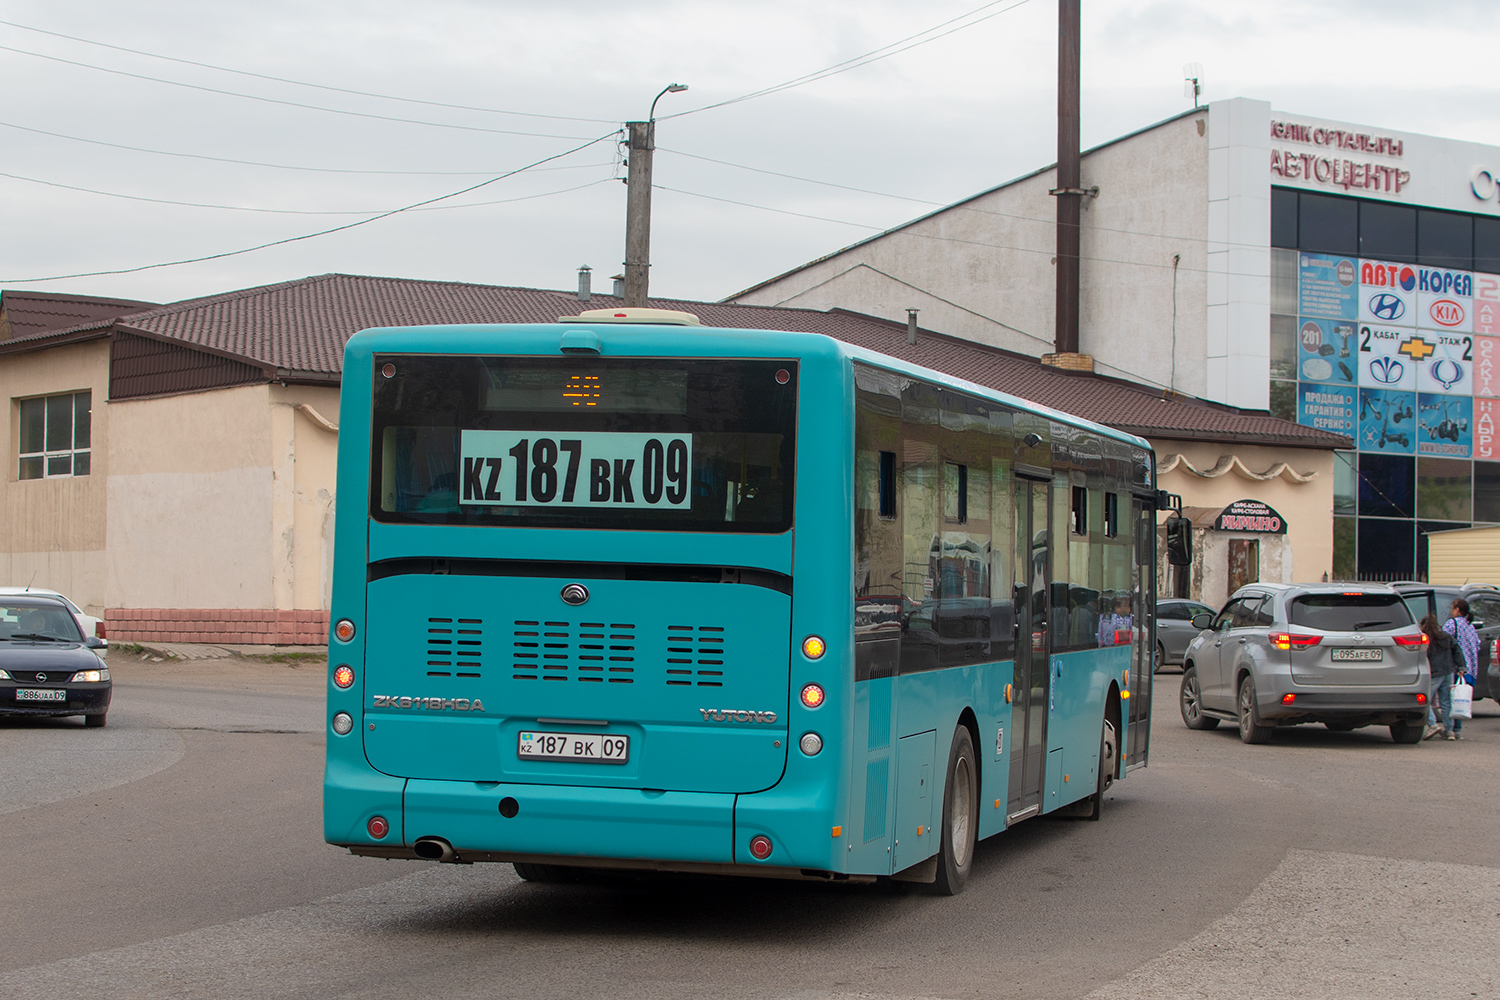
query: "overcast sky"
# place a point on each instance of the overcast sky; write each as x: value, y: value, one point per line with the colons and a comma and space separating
x: 268, y: 160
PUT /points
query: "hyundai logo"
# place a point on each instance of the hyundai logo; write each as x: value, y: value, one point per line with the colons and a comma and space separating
x: 1387, y: 307
x: 1387, y: 371
x: 575, y: 594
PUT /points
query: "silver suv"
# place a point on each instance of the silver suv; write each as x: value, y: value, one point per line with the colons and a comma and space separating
x: 1345, y: 655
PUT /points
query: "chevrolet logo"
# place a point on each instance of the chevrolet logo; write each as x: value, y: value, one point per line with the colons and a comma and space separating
x: 1416, y: 348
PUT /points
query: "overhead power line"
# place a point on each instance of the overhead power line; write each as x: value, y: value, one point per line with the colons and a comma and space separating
x: 874, y: 55
x: 321, y: 232
x: 300, y: 83
x: 271, y: 166
x: 284, y: 103
x: 290, y: 211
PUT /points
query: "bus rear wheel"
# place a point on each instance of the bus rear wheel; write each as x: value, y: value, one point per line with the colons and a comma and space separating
x: 960, y: 817
x: 1108, y: 750
x: 545, y: 874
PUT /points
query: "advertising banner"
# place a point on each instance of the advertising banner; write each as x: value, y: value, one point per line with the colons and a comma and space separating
x: 1445, y: 299
x: 1326, y: 351
x: 1449, y: 369
x: 1381, y: 363
x: 1486, y: 303
x: 1487, y: 366
x: 1328, y: 287
x: 1444, y: 423
x: 1387, y: 293
x: 1326, y: 407
x: 1486, y: 411
x: 1387, y: 421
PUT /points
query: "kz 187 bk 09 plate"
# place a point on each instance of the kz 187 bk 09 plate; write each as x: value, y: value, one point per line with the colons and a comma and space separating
x: 590, y: 748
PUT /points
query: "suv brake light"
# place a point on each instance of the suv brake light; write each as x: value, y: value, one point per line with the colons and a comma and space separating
x: 1289, y: 640
x: 1420, y: 639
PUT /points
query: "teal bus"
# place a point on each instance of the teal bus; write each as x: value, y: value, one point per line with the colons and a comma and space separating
x: 629, y: 592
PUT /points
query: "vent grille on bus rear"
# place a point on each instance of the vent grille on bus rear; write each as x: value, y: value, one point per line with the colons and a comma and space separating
x: 455, y: 646
x: 695, y: 656
x: 590, y: 653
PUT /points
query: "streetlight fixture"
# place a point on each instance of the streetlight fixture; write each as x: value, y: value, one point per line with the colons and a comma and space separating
x: 638, y: 201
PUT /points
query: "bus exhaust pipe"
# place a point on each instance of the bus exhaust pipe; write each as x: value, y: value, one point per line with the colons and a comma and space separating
x: 434, y: 849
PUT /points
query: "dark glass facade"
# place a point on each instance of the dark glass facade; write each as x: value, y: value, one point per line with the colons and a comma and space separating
x: 1385, y: 325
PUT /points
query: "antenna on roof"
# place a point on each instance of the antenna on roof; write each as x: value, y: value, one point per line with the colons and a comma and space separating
x: 1192, y: 81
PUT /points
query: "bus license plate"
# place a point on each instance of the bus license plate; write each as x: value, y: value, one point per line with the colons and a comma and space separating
x: 41, y: 694
x: 593, y: 748
x: 1357, y: 654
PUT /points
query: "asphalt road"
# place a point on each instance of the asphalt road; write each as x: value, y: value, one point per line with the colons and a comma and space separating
x: 178, y: 853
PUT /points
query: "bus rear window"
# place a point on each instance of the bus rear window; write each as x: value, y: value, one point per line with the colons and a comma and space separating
x: 631, y: 443
x: 1350, y: 612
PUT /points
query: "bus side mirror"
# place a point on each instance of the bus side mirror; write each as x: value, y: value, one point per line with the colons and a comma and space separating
x: 1179, y: 541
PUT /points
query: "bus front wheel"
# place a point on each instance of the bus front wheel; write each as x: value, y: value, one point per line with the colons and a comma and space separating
x: 960, y: 817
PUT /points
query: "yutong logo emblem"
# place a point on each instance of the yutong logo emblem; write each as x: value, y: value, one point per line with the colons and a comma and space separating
x: 431, y: 704
x: 736, y: 715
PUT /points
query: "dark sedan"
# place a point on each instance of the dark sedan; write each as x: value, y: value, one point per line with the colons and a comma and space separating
x: 48, y: 666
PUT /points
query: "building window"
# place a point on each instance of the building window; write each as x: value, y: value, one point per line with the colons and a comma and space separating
x: 54, y: 439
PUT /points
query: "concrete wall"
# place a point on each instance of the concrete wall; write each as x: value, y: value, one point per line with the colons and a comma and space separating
x: 1239, y: 254
x: 1469, y: 555
x: 1307, y: 507
x: 53, y: 531
x: 983, y: 270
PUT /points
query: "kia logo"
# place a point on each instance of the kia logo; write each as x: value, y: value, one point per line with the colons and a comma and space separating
x: 1446, y: 312
x: 1387, y: 370
x: 1387, y: 307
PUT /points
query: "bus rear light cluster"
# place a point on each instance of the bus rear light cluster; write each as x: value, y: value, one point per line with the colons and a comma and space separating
x: 814, y: 647
x: 343, y: 677
x: 378, y: 827
x: 760, y: 847
x: 811, y: 744
x: 812, y: 695
x: 344, y: 630
x: 1291, y: 640
x: 343, y: 723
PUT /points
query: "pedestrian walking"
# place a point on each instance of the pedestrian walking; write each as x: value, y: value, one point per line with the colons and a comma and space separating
x: 1460, y: 625
x: 1440, y: 657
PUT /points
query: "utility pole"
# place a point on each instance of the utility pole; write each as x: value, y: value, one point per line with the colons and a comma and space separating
x: 638, y: 212
x: 642, y: 144
x: 1069, y: 191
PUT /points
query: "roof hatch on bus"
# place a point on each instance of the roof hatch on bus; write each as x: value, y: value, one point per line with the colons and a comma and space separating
x: 656, y: 317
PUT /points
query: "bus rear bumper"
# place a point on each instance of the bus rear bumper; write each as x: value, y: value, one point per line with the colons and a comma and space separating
x: 562, y: 822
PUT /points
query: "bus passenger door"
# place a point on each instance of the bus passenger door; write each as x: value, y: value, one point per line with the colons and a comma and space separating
x: 1032, y: 675
x: 1143, y: 587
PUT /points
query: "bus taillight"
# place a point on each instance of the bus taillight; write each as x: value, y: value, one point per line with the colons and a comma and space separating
x: 813, y: 647
x: 378, y: 827
x: 343, y: 677
x: 344, y: 630
x: 760, y: 847
x: 812, y: 695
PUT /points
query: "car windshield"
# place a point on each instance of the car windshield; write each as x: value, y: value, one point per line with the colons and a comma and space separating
x: 32, y: 623
x: 1350, y: 612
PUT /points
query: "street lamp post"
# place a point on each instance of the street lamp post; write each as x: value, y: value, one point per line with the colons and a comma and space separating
x: 638, y: 202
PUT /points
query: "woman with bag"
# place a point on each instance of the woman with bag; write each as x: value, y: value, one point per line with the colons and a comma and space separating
x: 1440, y: 658
x: 1466, y: 653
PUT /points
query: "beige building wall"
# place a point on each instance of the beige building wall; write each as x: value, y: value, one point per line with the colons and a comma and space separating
x: 1467, y: 555
x: 189, y: 506
x: 305, y: 440
x: 1226, y: 473
x: 53, y: 531
x: 983, y: 270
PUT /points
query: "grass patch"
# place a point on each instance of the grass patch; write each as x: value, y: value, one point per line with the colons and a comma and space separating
x: 128, y: 648
x: 287, y: 657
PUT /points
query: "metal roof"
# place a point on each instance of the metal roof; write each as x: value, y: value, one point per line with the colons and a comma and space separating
x: 298, y: 329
